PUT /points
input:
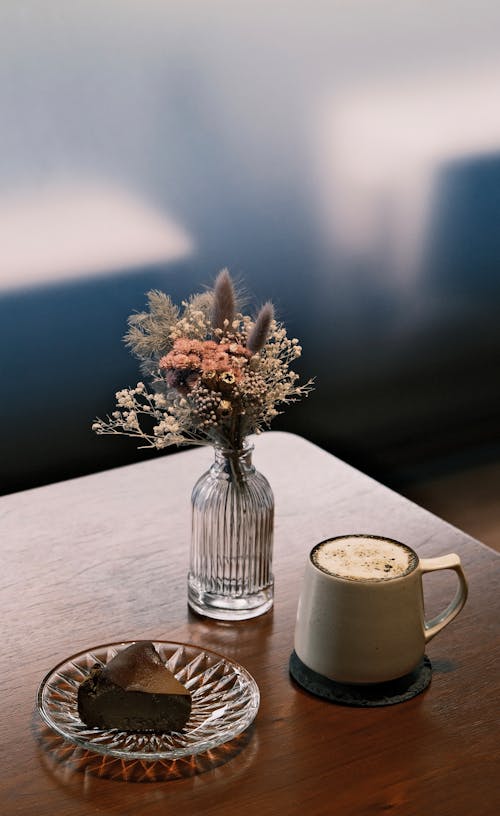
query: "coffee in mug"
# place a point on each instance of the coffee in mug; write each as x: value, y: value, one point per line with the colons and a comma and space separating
x: 361, y: 616
x: 364, y: 558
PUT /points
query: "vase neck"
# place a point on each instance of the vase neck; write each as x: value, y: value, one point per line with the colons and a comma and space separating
x: 230, y: 461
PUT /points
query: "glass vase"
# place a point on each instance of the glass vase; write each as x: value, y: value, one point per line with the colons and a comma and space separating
x: 230, y: 575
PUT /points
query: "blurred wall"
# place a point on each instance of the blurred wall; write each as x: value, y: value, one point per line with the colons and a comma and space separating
x: 342, y: 159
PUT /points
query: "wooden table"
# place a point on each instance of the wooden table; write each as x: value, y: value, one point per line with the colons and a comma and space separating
x: 104, y: 558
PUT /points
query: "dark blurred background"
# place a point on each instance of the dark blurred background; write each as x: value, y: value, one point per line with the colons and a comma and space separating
x: 342, y: 159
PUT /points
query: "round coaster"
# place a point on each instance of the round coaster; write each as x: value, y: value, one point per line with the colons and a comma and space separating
x: 367, y: 695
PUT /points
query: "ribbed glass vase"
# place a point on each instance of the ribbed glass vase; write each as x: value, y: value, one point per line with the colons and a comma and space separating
x: 230, y: 575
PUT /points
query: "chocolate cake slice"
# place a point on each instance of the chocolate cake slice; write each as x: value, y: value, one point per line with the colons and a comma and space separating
x: 134, y: 692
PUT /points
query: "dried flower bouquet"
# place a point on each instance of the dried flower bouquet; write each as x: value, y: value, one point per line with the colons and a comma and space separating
x: 216, y: 375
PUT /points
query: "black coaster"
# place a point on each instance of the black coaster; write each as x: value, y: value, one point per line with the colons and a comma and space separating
x: 366, y: 695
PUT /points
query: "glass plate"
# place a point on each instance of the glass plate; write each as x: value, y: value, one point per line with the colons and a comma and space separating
x: 225, y: 700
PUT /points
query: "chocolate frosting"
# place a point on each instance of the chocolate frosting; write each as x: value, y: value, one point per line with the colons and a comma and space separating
x: 140, y: 668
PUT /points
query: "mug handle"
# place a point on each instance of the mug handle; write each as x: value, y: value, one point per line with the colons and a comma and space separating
x: 452, y: 562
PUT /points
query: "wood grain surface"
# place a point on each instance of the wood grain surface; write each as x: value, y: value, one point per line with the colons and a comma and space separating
x: 104, y: 558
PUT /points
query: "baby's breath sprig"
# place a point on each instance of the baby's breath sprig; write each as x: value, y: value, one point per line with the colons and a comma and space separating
x: 216, y: 375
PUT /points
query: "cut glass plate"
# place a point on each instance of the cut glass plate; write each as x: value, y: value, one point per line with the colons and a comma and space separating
x: 225, y: 700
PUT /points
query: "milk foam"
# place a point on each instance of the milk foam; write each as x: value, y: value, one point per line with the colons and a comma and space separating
x: 364, y: 558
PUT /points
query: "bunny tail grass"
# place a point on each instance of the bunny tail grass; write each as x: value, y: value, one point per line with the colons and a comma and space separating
x: 260, y: 332
x: 224, y: 300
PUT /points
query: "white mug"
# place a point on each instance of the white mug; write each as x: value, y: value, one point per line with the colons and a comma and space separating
x: 369, y: 628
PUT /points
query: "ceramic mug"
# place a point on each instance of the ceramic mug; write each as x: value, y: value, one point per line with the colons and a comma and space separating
x: 366, y: 623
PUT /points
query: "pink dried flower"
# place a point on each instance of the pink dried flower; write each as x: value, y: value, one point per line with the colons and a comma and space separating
x: 188, y: 359
x: 183, y: 345
x: 179, y: 360
x: 237, y: 348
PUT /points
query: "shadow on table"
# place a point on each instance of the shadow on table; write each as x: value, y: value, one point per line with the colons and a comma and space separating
x: 63, y: 760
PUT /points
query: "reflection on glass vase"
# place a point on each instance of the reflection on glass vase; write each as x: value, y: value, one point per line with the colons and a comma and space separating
x: 230, y: 575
